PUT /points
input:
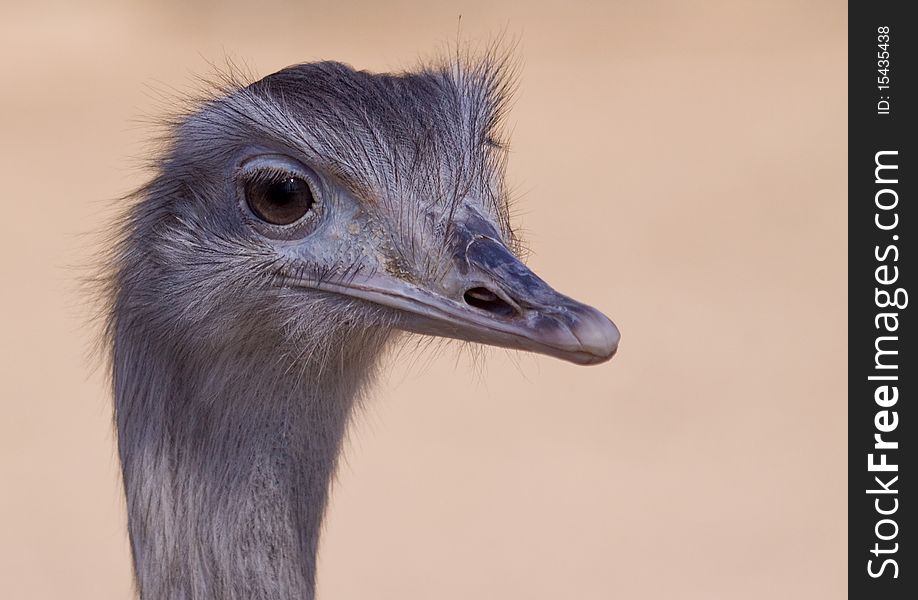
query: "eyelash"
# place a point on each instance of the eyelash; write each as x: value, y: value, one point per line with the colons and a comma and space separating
x: 274, y: 175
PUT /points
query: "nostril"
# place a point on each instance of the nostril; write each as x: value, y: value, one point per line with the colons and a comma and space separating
x: 485, y: 299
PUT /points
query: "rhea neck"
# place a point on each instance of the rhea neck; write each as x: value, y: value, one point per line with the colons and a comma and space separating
x: 227, y: 453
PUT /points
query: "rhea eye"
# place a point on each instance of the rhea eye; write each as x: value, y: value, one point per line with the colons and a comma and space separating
x: 279, y: 199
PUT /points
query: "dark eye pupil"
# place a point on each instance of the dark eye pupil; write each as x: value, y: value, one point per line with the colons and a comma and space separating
x: 279, y: 201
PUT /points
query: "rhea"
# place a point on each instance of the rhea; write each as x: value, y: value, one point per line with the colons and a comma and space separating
x: 293, y: 229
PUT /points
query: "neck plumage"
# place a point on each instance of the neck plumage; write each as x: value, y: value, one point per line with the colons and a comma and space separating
x: 227, y: 456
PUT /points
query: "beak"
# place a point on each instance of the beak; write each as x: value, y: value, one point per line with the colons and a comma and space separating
x: 489, y: 296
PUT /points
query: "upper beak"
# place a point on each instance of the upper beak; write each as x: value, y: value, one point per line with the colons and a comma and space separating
x: 491, y: 297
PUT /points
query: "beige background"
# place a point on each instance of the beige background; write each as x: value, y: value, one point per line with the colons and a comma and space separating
x: 682, y: 166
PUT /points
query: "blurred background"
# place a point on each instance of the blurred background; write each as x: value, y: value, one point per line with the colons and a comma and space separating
x: 680, y: 165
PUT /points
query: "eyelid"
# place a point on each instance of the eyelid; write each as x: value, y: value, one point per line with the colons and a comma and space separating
x: 277, y: 163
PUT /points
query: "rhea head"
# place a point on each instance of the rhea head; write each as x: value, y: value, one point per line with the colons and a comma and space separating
x: 321, y: 202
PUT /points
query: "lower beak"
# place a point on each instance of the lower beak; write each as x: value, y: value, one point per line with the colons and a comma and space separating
x: 492, y: 298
